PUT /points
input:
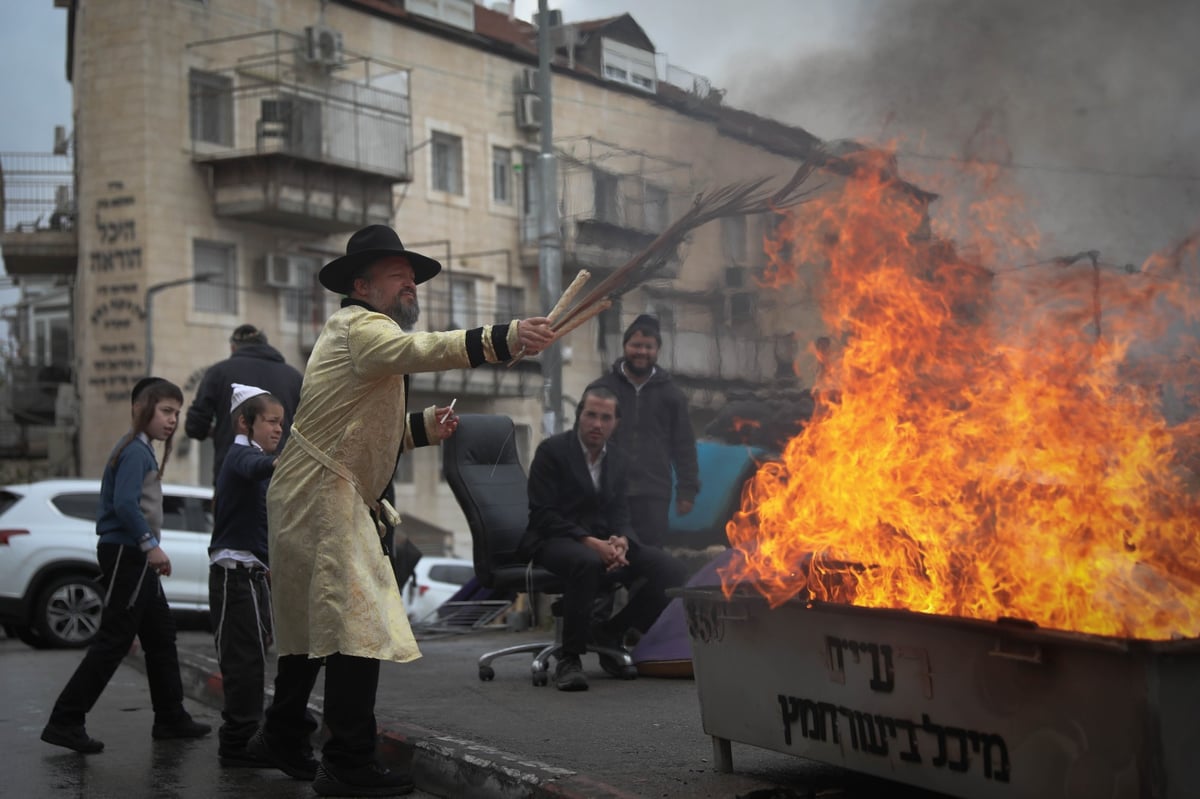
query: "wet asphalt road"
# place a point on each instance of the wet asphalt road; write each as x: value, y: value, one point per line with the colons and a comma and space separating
x: 132, y: 765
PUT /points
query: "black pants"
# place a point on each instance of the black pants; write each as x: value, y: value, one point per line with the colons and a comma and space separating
x: 649, y: 516
x: 134, y: 608
x: 350, y: 686
x: 240, y: 605
x: 583, y: 572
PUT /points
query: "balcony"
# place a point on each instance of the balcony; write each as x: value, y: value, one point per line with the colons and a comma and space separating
x: 306, y: 140
x: 37, y: 202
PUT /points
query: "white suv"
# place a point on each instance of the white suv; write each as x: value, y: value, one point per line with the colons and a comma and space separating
x: 433, y: 582
x: 49, y: 595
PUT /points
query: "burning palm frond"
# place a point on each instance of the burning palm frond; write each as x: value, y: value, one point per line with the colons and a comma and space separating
x: 736, y: 199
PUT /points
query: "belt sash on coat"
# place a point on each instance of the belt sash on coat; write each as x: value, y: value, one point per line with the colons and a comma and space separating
x: 381, y: 508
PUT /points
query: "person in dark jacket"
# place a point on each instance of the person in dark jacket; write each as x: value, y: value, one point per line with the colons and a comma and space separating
x: 655, y: 432
x: 239, y: 592
x: 579, y: 529
x: 252, y: 362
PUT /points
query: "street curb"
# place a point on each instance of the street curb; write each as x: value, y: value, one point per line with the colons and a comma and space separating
x: 440, y: 764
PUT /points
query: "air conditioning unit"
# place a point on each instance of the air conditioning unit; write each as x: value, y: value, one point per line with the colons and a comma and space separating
x: 282, y: 272
x: 529, y: 112
x: 527, y: 81
x: 323, y: 46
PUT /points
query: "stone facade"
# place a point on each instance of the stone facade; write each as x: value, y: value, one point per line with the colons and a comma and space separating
x: 146, y: 189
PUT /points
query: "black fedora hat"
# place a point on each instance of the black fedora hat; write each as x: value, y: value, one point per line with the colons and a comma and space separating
x: 367, y: 246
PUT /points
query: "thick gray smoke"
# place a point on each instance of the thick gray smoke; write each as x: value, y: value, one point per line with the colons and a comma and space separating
x: 1094, y: 103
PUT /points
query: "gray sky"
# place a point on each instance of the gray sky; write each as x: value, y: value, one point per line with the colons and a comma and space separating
x: 1092, y: 106
x: 34, y: 93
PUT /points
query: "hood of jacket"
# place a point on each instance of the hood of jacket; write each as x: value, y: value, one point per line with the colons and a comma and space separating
x: 262, y: 352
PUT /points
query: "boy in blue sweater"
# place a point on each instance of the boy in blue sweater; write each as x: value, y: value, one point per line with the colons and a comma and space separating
x: 132, y: 563
x: 239, y: 593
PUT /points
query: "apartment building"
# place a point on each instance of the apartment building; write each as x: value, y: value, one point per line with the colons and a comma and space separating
x: 225, y: 149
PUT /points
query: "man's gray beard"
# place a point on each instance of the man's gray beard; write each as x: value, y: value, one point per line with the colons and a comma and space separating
x: 406, y: 314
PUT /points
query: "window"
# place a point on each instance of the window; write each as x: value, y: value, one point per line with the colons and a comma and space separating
x: 666, y: 318
x: 510, y: 303
x: 774, y: 238
x: 609, y: 330
x: 654, y: 208
x: 8, y: 499
x: 629, y: 65
x: 741, y: 307
x: 51, y: 345
x: 462, y: 303
x: 216, y: 264
x: 78, y: 506
x: 605, y: 196
x: 733, y: 237
x: 175, y: 515
x: 451, y: 573
x: 305, y: 302
x: 211, y: 107
x: 502, y: 176
x: 447, y: 163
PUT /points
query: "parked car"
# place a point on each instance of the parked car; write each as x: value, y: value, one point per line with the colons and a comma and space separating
x: 49, y: 594
x: 433, y: 582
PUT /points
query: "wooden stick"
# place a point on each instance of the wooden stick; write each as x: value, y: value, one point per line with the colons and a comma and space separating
x: 587, y: 315
x: 564, y: 302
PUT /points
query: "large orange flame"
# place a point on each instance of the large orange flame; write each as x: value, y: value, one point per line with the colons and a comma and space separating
x: 988, y: 442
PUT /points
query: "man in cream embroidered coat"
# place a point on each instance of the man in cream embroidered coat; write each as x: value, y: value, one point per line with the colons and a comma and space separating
x: 334, y: 592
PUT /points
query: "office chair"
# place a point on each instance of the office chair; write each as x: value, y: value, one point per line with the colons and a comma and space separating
x: 484, y: 472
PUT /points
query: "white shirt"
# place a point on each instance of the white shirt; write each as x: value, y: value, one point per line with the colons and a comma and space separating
x: 594, y: 468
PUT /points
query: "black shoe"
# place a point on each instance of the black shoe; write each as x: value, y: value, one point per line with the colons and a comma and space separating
x: 611, y: 665
x: 568, y: 674
x: 182, y: 727
x: 240, y: 758
x: 71, y: 737
x: 372, y: 780
x: 298, y: 763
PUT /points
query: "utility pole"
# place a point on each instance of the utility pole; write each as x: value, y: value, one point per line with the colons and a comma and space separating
x: 549, y: 240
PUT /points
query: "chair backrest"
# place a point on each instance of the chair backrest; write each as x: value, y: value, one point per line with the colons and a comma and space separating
x: 484, y: 472
x: 724, y: 469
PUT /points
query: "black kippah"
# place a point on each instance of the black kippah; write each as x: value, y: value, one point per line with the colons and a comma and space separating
x: 142, y: 385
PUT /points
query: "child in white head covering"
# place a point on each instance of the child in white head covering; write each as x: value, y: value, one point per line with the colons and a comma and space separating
x: 238, y: 590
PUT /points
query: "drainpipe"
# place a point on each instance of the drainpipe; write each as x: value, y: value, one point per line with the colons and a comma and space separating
x: 549, y: 242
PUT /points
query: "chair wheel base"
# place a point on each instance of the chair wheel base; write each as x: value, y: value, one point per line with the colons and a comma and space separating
x: 487, y: 673
x: 541, y: 679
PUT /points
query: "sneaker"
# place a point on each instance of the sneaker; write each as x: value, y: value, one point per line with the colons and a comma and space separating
x: 371, y: 780
x: 72, y: 738
x: 183, y: 727
x: 298, y: 763
x: 568, y: 674
x: 240, y: 758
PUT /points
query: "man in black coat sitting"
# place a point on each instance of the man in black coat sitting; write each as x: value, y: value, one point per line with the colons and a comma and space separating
x: 579, y: 529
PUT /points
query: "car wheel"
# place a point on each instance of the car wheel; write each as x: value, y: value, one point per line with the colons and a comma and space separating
x: 67, y: 613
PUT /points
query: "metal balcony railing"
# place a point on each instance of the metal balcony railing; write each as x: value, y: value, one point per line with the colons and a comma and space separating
x: 267, y: 99
x: 37, y: 191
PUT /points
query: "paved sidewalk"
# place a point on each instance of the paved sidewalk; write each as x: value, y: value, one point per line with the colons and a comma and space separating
x: 507, y: 739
